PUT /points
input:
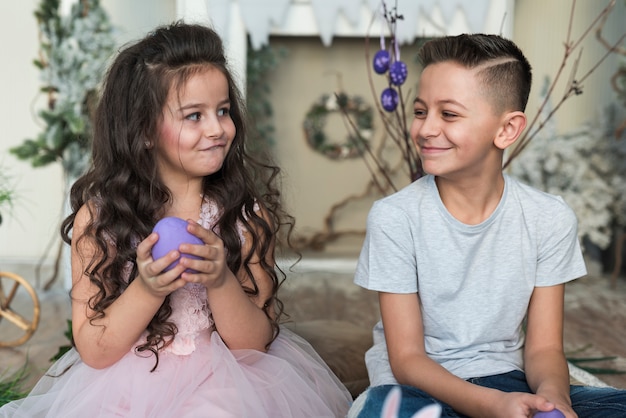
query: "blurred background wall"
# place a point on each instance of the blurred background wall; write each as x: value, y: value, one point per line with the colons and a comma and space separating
x: 313, y: 183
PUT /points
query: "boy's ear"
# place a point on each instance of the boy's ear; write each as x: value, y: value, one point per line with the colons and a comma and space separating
x: 512, y: 127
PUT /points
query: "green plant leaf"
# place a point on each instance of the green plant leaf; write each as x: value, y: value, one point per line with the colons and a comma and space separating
x: 69, y: 48
x: 43, y: 160
x: 12, y: 387
x: 27, y: 150
x: 65, y: 348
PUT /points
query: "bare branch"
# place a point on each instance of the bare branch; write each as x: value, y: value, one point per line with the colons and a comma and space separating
x: 574, y: 85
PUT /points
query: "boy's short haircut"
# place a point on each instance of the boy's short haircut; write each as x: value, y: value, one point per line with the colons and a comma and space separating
x: 503, y: 70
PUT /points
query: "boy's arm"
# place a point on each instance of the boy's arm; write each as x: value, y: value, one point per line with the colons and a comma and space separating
x: 545, y: 364
x: 404, y: 332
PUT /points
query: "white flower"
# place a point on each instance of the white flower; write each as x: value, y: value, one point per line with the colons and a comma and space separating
x: 366, y: 133
x: 331, y: 103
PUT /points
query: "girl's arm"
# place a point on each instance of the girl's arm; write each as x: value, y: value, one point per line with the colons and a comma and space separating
x: 404, y: 333
x: 239, y: 318
x: 545, y: 364
x: 101, y: 342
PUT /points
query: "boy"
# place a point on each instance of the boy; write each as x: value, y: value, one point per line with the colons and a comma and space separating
x: 470, y: 264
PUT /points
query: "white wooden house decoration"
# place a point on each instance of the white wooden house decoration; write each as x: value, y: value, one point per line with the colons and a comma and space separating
x: 236, y: 19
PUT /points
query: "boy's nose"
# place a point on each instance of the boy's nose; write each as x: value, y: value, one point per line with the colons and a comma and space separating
x: 429, y: 127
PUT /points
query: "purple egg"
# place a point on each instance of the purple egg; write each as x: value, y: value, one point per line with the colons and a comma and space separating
x: 398, y: 72
x: 389, y: 99
x: 555, y: 413
x: 172, y: 233
x: 381, y: 61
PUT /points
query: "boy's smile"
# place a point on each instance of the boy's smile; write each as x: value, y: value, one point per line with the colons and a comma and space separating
x: 455, y: 124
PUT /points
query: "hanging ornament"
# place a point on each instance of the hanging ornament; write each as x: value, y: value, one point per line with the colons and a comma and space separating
x: 397, y: 70
x: 389, y: 99
x: 384, y: 62
x: 398, y: 73
x: 381, y: 61
x: 382, y: 58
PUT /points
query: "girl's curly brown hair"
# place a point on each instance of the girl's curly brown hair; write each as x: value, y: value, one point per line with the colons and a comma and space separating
x: 123, y: 190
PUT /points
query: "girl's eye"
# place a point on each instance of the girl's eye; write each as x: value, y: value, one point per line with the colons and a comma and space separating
x: 223, y: 111
x: 193, y: 116
x: 448, y: 115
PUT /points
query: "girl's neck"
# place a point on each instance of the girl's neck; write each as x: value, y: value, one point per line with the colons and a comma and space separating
x: 186, y: 202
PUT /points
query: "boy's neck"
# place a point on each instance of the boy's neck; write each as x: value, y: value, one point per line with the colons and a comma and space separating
x: 471, y: 201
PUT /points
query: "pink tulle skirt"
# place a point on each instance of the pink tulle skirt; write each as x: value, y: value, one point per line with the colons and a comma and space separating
x: 291, y: 380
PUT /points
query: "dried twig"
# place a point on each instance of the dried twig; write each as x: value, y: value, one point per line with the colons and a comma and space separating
x: 574, y: 86
x: 396, y: 129
x: 619, y: 74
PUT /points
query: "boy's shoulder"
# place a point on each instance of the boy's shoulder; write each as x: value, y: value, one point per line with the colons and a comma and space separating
x: 411, y: 193
x: 402, y: 204
x: 532, y: 198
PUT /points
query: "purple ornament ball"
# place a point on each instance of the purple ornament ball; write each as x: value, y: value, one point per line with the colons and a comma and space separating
x: 555, y: 413
x: 381, y: 61
x: 172, y: 233
x: 389, y: 99
x: 398, y: 72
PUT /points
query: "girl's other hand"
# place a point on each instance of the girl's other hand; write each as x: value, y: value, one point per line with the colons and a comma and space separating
x: 210, y: 267
x: 155, y: 280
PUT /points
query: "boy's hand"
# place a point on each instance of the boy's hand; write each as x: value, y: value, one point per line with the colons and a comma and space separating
x: 522, y: 405
x: 151, y: 275
x: 562, y: 404
x: 565, y: 408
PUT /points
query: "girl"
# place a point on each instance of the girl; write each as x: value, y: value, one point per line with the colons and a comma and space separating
x: 201, y: 339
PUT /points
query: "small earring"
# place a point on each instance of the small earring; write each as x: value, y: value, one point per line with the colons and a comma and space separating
x: 148, y: 144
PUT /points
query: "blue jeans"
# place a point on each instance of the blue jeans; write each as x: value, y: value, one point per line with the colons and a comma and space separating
x: 587, y: 401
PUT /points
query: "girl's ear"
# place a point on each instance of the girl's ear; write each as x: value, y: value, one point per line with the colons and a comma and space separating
x: 512, y: 127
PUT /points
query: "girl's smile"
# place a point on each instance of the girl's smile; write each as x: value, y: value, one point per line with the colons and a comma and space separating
x: 197, y: 129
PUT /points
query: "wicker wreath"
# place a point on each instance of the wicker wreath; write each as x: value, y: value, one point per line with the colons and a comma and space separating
x: 360, y: 113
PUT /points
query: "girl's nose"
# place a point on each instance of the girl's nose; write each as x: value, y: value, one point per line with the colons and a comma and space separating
x: 213, y: 128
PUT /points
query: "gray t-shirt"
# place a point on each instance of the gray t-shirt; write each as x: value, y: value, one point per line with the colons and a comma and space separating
x: 474, y: 281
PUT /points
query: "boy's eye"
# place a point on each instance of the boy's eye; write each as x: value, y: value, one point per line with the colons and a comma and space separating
x: 448, y: 115
x: 419, y: 113
x: 193, y: 116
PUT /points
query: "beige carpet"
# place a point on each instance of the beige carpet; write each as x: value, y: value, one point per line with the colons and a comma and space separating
x: 595, y: 316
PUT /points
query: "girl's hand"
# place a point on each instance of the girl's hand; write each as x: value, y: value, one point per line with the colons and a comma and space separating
x: 210, y: 269
x: 155, y: 281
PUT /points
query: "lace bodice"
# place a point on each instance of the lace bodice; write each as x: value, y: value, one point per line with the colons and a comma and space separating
x: 190, y: 310
x: 191, y: 314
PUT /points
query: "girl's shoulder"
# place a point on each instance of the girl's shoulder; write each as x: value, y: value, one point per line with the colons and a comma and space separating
x: 86, y: 214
